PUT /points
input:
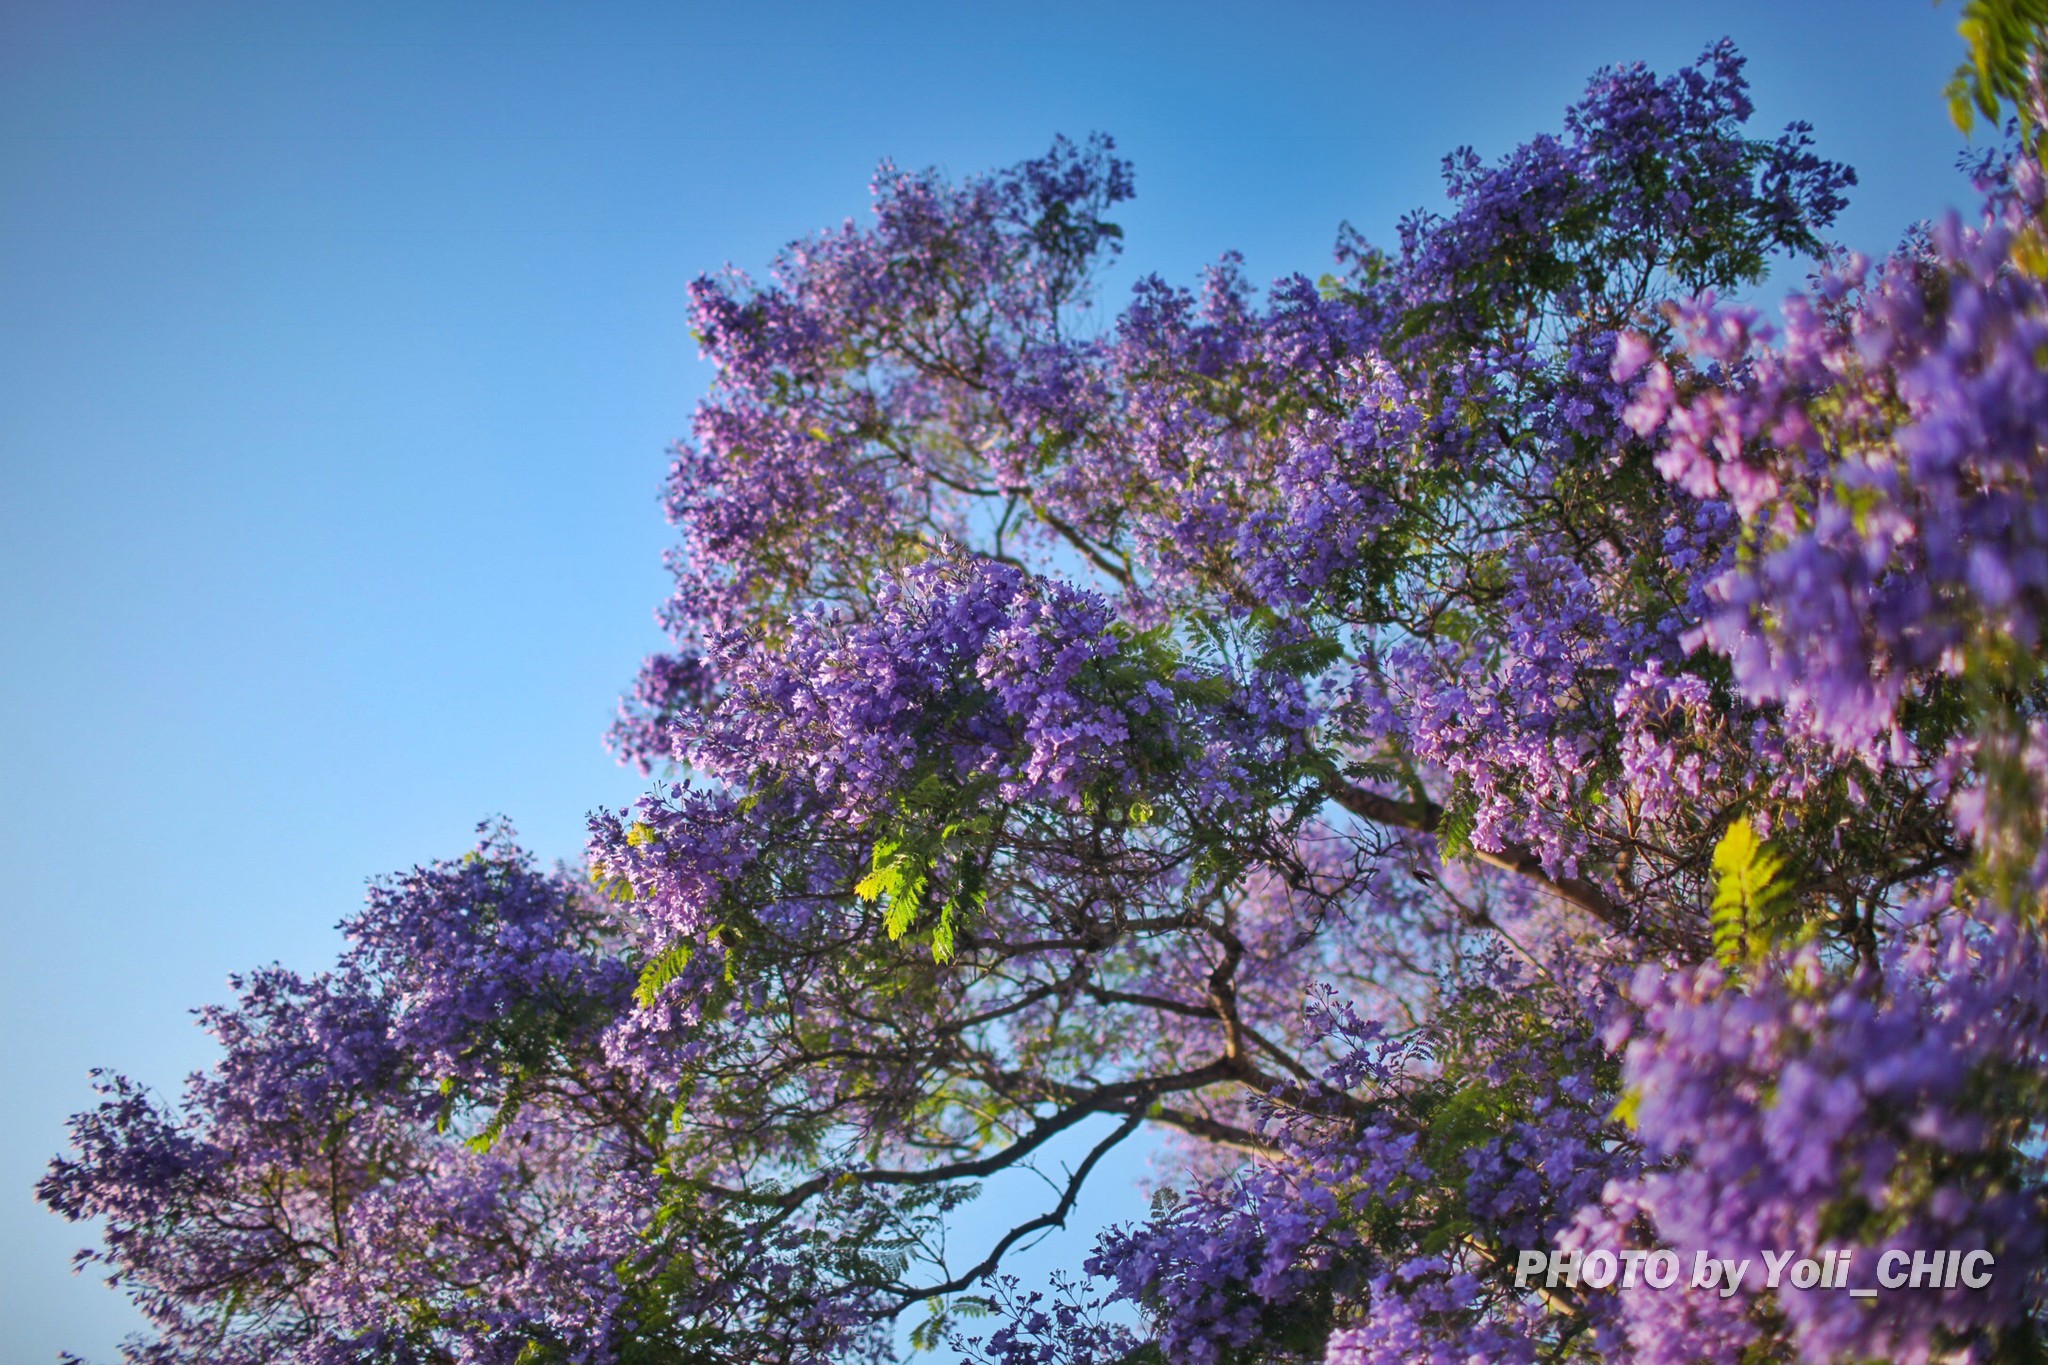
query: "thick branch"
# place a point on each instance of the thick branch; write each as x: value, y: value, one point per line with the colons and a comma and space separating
x: 1425, y: 816
x: 1214, y: 1130
x: 1094, y: 555
x: 1124, y: 1097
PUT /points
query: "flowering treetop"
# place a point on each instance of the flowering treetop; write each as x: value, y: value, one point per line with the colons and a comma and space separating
x: 1491, y: 749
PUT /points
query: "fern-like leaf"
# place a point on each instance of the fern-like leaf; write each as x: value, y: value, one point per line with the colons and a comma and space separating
x: 482, y: 1142
x: 1751, y: 895
x: 1454, y: 827
x: 667, y: 965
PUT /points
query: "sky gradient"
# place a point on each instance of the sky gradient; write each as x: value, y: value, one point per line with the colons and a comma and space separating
x: 340, y: 345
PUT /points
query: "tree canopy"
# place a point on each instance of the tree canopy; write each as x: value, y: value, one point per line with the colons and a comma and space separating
x: 1492, y: 749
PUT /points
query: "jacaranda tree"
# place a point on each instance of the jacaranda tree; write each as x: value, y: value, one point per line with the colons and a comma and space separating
x: 1492, y: 750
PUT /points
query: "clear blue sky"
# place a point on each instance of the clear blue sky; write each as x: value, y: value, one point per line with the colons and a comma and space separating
x: 340, y: 344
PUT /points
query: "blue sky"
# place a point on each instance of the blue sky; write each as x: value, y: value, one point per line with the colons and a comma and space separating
x: 340, y: 345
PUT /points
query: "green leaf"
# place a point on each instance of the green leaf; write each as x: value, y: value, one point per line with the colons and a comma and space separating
x: 945, y: 932
x: 2002, y: 36
x: 1751, y: 895
x: 1301, y: 657
x: 666, y: 966
x: 1454, y: 826
x: 482, y: 1143
x: 886, y: 878
x: 902, y: 914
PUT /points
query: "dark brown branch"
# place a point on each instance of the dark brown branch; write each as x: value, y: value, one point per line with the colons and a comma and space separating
x: 1123, y: 1097
x: 1088, y: 548
x: 1055, y: 1218
x: 1103, y: 995
x: 1214, y: 1130
x: 1426, y: 816
x: 1223, y: 989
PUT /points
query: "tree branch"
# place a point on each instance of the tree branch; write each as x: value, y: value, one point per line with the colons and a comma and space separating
x: 1425, y: 816
x: 1055, y: 1218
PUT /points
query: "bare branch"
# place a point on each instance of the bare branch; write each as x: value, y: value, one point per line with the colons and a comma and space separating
x: 1055, y: 1218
